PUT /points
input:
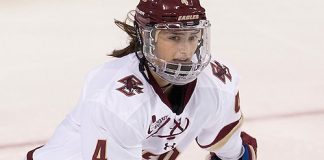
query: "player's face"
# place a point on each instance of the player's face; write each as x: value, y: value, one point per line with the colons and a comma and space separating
x: 176, y: 45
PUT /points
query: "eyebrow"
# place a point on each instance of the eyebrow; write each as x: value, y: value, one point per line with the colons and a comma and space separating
x: 181, y: 33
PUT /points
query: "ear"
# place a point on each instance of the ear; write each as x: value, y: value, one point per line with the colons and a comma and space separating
x: 156, y: 35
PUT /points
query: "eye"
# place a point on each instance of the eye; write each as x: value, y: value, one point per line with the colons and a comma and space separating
x: 174, y: 38
x: 193, y: 38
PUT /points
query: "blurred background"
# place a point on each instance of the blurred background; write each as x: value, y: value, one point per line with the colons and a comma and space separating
x: 47, y: 47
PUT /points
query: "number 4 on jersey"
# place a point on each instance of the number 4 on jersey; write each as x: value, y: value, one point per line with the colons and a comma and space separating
x: 100, y: 152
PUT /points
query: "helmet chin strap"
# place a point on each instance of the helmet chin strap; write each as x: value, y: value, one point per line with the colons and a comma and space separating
x: 140, y: 56
x: 144, y: 65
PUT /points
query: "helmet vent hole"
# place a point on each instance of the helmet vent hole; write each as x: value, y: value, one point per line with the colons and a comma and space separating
x: 170, y: 73
x: 185, y: 68
x: 172, y: 66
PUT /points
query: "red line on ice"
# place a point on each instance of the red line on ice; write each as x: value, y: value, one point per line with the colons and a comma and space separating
x: 252, y: 119
x: 285, y: 115
x: 23, y: 144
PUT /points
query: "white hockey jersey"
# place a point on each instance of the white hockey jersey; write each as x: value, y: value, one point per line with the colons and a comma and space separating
x: 121, y: 116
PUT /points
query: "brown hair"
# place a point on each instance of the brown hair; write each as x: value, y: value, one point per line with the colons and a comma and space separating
x: 130, y: 30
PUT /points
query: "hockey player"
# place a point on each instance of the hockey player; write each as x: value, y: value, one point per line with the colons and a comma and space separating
x: 161, y: 93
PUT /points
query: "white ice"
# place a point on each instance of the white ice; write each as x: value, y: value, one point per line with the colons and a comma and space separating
x: 277, y: 46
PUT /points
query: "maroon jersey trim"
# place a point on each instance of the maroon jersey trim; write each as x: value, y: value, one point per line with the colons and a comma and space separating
x: 190, y: 87
x: 30, y: 153
x: 225, y: 133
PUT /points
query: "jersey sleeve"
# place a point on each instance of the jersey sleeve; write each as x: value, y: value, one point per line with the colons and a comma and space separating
x: 106, y: 136
x: 222, y: 135
x: 104, y: 133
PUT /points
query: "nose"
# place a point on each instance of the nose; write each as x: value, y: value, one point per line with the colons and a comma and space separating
x: 183, y: 51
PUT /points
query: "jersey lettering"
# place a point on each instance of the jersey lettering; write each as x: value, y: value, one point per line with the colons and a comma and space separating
x: 157, y: 125
x: 100, y: 151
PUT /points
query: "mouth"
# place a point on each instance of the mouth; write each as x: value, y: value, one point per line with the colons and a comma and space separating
x: 182, y: 61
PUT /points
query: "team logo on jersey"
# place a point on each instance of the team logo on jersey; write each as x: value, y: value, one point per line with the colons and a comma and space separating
x: 221, y: 71
x: 132, y: 86
x: 178, y: 128
x: 169, y: 130
x: 157, y: 124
